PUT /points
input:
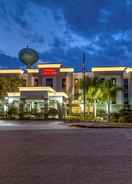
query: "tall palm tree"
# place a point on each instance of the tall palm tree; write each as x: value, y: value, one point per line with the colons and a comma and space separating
x: 108, y: 93
x: 93, y: 92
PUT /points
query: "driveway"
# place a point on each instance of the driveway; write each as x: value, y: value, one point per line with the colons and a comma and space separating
x: 32, y: 125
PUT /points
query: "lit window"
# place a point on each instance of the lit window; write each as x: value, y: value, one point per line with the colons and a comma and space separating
x: 113, y: 80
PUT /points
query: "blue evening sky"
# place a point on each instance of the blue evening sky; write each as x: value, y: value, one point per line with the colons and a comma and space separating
x: 60, y: 30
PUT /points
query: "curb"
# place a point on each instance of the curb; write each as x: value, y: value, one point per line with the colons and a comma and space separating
x: 101, y: 126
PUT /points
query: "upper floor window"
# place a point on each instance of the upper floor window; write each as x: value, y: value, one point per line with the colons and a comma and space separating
x: 113, y: 80
x: 76, y: 81
x: 126, y: 99
x: 64, y: 84
x: 102, y: 80
x: 36, y: 82
x: 49, y: 82
x: 125, y: 83
x: 24, y: 82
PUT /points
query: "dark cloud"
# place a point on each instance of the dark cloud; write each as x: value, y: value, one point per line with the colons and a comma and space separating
x: 101, y: 28
x: 84, y: 15
x: 81, y: 15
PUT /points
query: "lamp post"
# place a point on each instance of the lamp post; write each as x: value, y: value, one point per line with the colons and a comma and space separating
x: 84, y: 83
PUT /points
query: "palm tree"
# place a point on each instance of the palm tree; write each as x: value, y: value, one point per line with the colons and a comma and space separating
x: 108, y: 93
x: 93, y: 92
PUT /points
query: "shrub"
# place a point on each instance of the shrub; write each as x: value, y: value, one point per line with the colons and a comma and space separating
x: 115, y: 117
x: 12, y: 112
x: 53, y: 112
x: 125, y: 116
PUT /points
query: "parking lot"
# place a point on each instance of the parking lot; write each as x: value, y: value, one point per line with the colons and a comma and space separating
x: 64, y: 155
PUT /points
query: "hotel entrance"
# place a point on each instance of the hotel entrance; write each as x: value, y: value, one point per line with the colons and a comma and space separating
x: 40, y: 103
x: 40, y: 109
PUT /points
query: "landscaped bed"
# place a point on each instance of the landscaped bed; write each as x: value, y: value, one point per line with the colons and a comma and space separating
x: 98, y: 125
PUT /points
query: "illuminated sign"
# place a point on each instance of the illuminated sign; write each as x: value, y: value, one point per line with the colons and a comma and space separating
x: 49, y: 72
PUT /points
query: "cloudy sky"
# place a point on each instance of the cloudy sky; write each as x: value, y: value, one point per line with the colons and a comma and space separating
x: 61, y: 30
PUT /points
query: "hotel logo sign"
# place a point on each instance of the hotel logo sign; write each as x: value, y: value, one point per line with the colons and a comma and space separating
x: 49, y: 72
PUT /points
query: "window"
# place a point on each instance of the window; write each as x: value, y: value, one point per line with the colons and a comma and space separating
x: 125, y: 83
x: 126, y: 92
x: 77, y: 89
x: 64, y: 84
x: 24, y: 83
x: 49, y: 82
x: 114, y: 83
x: 36, y: 82
x: 76, y: 82
x: 113, y: 80
x: 101, y: 80
x: 114, y: 100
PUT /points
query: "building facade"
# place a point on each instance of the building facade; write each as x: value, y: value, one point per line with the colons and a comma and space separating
x: 122, y: 77
x: 66, y: 81
x: 52, y: 75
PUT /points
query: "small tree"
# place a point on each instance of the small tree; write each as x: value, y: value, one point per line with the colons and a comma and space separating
x: 9, y: 85
x: 53, y: 112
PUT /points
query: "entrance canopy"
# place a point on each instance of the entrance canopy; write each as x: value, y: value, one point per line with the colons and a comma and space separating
x: 35, y: 92
x: 39, y: 93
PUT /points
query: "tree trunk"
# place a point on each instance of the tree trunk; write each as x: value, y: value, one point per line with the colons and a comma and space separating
x: 94, y: 109
x: 109, y: 110
x: 89, y: 107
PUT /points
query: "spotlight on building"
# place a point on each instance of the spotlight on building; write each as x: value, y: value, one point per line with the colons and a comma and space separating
x: 28, y: 56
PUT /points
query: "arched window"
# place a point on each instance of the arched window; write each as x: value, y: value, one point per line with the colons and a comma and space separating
x: 36, y: 82
x: 64, y: 84
x: 49, y: 82
x: 24, y: 82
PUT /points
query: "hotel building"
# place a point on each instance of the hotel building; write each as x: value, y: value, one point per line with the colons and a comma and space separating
x: 56, y: 82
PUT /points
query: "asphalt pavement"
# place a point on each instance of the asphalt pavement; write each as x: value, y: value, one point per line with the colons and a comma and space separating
x: 64, y: 155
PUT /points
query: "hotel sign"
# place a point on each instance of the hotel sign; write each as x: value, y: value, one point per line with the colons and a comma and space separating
x: 49, y: 72
x: 34, y: 94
